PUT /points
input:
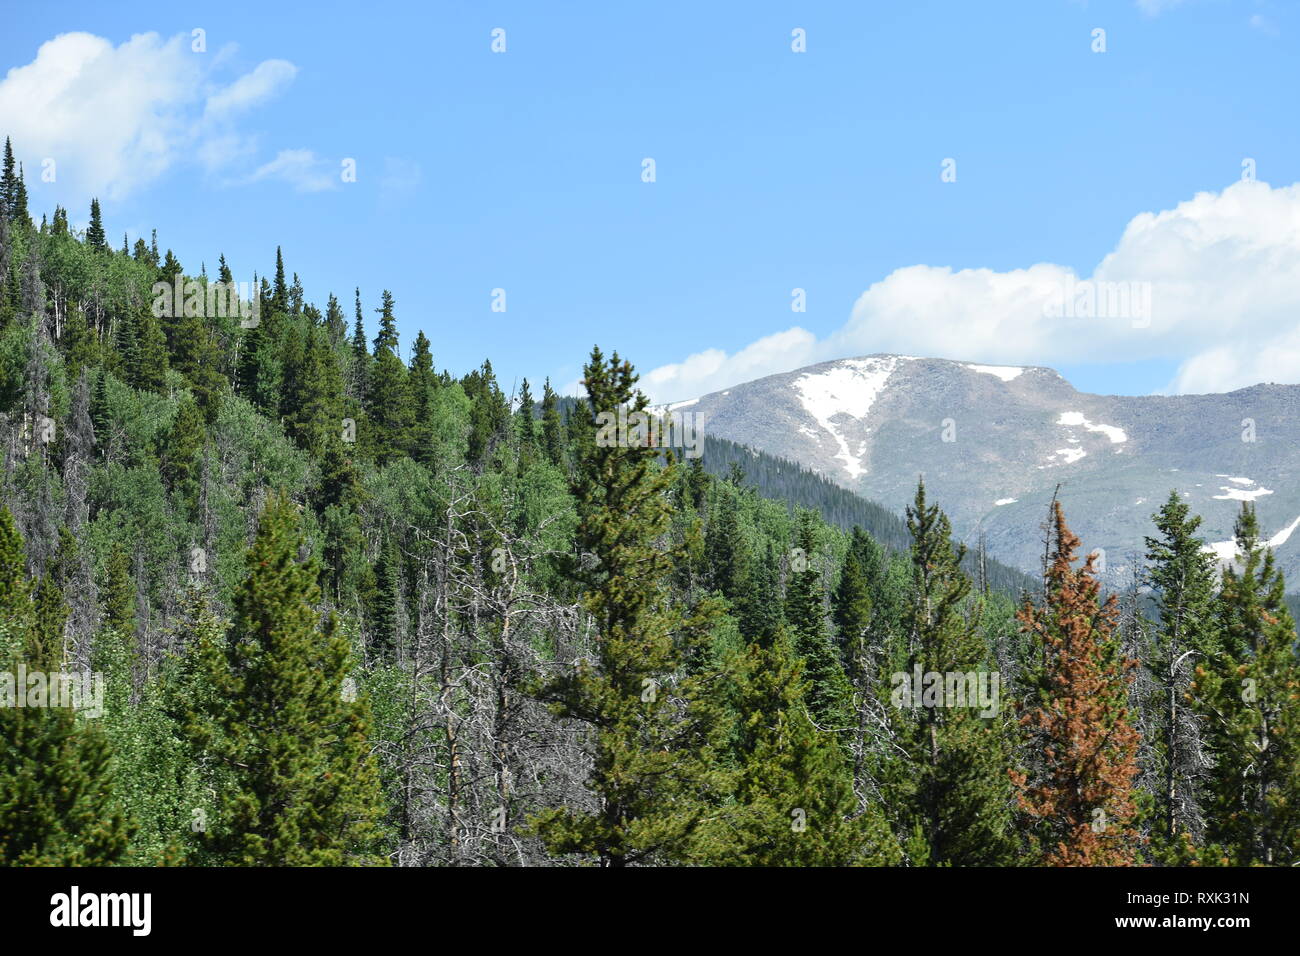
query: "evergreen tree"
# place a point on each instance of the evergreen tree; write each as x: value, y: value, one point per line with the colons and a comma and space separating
x: 1079, y: 797
x: 791, y: 802
x: 57, y: 801
x: 147, y: 358
x: 391, y: 411
x: 828, y: 693
x: 422, y: 383
x: 20, y: 213
x: 280, y: 291
x: 95, y: 237
x: 1247, y: 694
x: 8, y: 182
x: 360, y: 381
x: 552, y: 426
x: 946, y: 785
x: 651, y: 765
x: 181, y: 459
x: 197, y: 356
x: 303, y: 789
x: 1181, y: 577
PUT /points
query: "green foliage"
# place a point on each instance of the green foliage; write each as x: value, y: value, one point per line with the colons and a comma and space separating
x: 302, y: 788
x: 1248, y: 696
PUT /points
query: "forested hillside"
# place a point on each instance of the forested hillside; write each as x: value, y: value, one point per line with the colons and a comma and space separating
x: 355, y: 609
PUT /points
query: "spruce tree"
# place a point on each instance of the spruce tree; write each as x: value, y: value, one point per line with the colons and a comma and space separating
x: 147, y: 359
x: 422, y: 382
x: 946, y: 786
x: 829, y: 695
x: 20, y: 214
x: 57, y: 793
x: 95, y: 237
x: 8, y: 183
x: 1077, y: 794
x: 651, y: 762
x: 391, y: 409
x: 552, y: 425
x: 181, y: 459
x: 302, y: 788
x: 791, y: 802
x: 1247, y: 694
x: 1181, y: 577
x: 361, y: 361
x: 280, y: 293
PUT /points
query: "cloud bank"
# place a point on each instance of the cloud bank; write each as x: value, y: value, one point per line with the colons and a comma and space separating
x: 114, y: 118
x: 1213, y: 284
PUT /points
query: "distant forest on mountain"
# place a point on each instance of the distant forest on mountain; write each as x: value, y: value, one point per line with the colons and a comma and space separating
x: 355, y: 609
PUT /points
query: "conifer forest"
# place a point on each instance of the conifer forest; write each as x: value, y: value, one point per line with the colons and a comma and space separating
x: 278, y: 589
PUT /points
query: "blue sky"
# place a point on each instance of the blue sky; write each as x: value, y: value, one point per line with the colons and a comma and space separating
x: 775, y: 170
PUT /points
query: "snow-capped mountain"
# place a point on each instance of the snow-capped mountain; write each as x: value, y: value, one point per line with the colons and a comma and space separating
x: 993, y: 442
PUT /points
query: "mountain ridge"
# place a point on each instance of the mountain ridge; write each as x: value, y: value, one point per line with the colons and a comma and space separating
x: 995, y: 441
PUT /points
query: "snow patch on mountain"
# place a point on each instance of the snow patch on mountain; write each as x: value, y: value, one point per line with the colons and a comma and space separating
x: 1071, y: 455
x: 1005, y: 372
x: 1226, y: 551
x: 1116, y: 435
x: 848, y: 388
x: 1241, y: 494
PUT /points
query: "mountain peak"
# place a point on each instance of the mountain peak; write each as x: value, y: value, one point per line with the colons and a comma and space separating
x: 994, y: 442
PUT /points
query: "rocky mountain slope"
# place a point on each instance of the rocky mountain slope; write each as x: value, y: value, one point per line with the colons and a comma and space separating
x: 994, y: 442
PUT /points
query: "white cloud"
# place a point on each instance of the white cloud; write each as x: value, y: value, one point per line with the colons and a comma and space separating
x: 114, y: 118
x: 267, y: 79
x: 713, y: 369
x: 1221, y: 270
x: 300, y: 168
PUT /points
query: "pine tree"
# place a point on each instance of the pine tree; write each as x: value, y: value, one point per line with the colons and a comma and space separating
x: 791, y: 802
x: 1181, y: 577
x: 335, y: 324
x: 829, y: 693
x: 181, y: 455
x: 20, y: 213
x: 303, y: 788
x: 95, y: 237
x: 314, y: 411
x: 946, y: 786
x: 197, y: 356
x: 391, y: 411
x: 280, y: 293
x: 552, y: 426
x: 8, y: 183
x: 489, y: 415
x: 851, y: 606
x: 650, y: 763
x: 387, y: 596
x: 422, y: 382
x: 525, y: 416
x: 361, y: 361
x: 1247, y: 694
x: 1079, y: 799
x: 147, y: 358
x: 57, y: 800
